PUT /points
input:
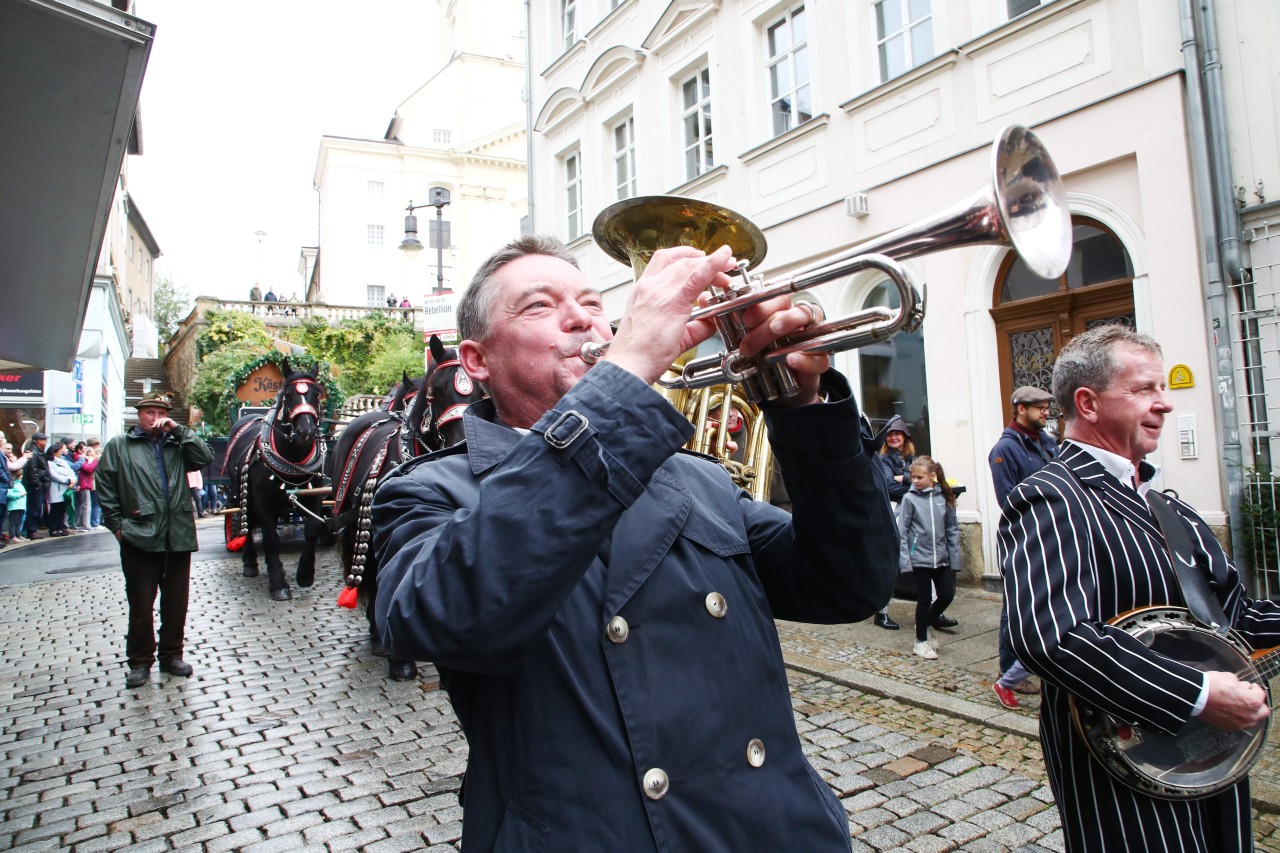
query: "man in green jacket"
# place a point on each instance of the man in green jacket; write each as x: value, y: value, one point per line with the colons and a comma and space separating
x: 142, y: 487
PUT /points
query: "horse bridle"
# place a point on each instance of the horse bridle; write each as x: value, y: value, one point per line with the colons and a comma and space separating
x: 303, y: 387
x: 431, y: 425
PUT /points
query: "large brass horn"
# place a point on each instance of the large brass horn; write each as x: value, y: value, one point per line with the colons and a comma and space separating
x: 1023, y: 207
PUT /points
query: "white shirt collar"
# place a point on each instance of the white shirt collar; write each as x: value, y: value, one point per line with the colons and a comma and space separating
x: 1119, y: 467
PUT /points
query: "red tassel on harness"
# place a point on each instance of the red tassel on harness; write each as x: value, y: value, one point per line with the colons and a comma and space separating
x: 347, y: 598
x: 236, y: 544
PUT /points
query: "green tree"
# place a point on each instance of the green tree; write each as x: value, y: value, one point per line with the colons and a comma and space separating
x: 369, y: 354
x: 171, y: 303
x: 211, y: 389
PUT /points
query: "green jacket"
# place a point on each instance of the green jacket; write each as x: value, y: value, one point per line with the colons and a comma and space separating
x: 132, y: 497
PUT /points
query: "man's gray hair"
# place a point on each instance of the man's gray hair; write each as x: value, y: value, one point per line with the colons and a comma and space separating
x: 476, y: 307
x: 1088, y: 361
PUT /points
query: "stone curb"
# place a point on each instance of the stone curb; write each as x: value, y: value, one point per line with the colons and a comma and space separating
x: 1017, y: 724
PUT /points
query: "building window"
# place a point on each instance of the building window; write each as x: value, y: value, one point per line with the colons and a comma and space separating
x: 788, y: 46
x: 374, y: 238
x: 904, y: 29
x: 374, y: 295
x: 573, y: 194
x: 1021, y: 7
x: 893, y: 374
x: 444, y: 137
x: 624, y: 157
x: 433, y: 235
x: 376, y: 189
x: 568, y: 25
x: 699, y: 153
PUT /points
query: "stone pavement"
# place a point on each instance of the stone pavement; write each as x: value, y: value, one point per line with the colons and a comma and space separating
x: 289, y: 738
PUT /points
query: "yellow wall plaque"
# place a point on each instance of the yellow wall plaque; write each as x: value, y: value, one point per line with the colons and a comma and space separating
x: 1180, y: 377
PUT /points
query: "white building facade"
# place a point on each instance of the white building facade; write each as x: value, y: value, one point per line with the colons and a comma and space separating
x: 463, y: 130
x: 828, y: 124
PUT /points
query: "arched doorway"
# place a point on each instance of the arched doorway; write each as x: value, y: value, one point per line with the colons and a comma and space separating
x: 1035, y: 317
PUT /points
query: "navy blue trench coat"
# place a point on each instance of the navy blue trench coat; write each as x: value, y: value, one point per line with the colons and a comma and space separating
x: 600, y: 608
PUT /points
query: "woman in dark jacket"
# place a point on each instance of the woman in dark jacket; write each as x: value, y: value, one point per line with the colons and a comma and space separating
x: 896, y: 455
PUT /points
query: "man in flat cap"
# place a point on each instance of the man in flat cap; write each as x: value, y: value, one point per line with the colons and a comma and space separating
x: 1023, y: 449
x: 142, y: 487
x: 35, y: 474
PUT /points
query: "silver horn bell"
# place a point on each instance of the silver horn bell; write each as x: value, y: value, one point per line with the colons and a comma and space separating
x: 1023, y: 207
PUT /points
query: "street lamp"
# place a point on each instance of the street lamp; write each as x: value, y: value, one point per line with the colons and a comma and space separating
x: 411, y: 245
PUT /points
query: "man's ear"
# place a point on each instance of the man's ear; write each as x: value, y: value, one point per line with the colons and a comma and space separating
x: 1087, y: 404
x: 472, y: 356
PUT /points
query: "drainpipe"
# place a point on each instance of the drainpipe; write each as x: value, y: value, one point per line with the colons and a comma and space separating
x: 528, y: 109
x: 1207, y: 191
x: 1229, y: 232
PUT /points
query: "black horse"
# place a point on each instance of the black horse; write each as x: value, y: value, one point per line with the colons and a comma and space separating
x: 268, y: 456
x: 372, y: 445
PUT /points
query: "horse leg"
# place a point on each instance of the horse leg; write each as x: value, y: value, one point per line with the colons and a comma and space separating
x: 306, y: 575
x: 277, y: 584
x: 398, y: 668
x: 369, y: 596
x: 249, y: 554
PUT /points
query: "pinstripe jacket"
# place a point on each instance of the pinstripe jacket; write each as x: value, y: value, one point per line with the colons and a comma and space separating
x: 1077, y: 548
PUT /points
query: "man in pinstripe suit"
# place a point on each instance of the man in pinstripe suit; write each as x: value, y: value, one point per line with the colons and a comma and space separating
x: 1078, y: 546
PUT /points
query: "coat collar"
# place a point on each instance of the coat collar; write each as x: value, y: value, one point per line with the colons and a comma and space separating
x: 488, y: 442
x: 644, y: 533
x: 1119, y: 497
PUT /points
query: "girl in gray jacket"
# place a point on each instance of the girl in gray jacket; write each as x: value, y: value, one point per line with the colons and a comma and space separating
x: 930, y: 546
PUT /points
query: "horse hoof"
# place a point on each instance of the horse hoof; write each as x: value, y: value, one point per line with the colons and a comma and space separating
x: 281, y: 594
x: 378, y: 648
x: 251, y: 571
x: 405, y: 670
x: 306, y: 578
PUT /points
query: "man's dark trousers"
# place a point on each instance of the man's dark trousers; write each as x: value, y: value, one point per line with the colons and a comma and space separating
x: 145, y: 574
x: 35, y: 510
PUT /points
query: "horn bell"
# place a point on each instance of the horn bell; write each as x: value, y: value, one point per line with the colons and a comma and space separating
x: 633, y: 229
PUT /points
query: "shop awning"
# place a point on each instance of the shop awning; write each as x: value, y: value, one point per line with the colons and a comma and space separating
x: 70, y: 77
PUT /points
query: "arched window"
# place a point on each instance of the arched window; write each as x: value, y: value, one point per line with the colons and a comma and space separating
x: 1035, y: 317
x: 893, y: 380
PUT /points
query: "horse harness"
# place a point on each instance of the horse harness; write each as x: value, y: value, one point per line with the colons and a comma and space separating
x: 263, y: 447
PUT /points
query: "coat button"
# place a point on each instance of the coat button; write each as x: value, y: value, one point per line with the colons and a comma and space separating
x: 716, y: 605
x: 755, y: 752
x: 655, y: 783
x: 618, y: 630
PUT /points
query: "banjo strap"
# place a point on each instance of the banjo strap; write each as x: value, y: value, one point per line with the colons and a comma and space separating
x: 1200, y: 600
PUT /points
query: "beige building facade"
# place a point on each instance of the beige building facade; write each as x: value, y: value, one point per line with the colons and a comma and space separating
x: 462, y: 130
x: 829, y: 124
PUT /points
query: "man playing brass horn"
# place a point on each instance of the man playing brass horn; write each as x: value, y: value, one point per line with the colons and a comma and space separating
x: 598, y: 602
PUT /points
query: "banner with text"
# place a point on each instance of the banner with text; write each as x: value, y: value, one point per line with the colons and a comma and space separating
x: 440, y: 316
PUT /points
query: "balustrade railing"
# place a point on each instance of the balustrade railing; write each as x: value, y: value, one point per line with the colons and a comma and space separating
x: 292, y: 313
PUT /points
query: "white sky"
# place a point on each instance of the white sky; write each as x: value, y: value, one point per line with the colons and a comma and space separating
x: 234, y: 102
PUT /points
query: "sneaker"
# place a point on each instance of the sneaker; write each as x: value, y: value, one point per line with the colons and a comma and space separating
x: 1006, y: 697
x: 883, y: 620
x: 925, y: 651
x: 1028, y: 686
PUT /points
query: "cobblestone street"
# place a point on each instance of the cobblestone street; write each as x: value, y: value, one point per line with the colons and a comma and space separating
x: 288, y: 736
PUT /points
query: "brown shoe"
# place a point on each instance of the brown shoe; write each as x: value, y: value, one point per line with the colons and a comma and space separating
x: 1028, y: 686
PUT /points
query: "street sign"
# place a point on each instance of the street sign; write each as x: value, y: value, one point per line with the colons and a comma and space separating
x: 67, y: 410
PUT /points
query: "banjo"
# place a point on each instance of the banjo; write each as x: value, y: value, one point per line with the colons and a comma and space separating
x: 1201, y: 759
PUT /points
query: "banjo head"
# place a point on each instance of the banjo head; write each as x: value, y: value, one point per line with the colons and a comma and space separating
x: 1200, y: 759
